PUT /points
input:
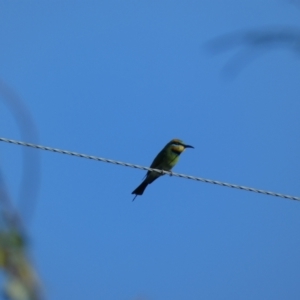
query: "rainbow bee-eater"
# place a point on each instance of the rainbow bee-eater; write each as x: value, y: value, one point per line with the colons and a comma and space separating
x: 22, y: 281
x: 166, y: 159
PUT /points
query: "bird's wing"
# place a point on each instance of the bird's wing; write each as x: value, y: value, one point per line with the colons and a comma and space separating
x: 158, y: 160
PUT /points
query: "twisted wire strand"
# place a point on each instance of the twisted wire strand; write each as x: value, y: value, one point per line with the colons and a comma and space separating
x: 111, y: 161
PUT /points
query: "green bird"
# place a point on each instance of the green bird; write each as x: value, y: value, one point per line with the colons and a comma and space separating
x: 166, y: 159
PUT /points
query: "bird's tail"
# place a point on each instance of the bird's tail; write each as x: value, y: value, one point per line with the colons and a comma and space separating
x: 140, y: 189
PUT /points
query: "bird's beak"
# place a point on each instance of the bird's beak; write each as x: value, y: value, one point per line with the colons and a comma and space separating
x: 188, y: 146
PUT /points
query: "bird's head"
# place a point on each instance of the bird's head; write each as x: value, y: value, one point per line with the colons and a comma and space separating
x: 178, y: 146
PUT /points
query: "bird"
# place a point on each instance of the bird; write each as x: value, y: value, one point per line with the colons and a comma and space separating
x: 166, y: 159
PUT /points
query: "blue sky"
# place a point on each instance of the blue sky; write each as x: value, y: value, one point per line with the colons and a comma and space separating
x: 119, y: 79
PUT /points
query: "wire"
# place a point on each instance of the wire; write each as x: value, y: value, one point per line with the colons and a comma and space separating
x: 111, y: 161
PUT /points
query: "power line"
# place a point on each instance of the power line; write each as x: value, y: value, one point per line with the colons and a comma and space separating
x: 240, y: 187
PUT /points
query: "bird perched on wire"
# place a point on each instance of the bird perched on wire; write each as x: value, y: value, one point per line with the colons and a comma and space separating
x: 166, y: 159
